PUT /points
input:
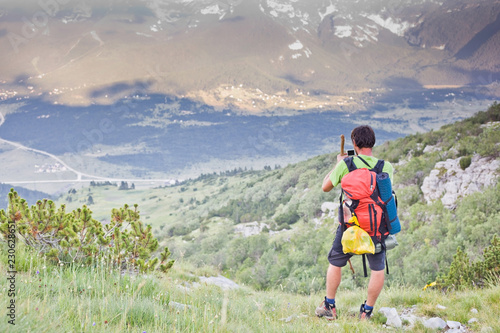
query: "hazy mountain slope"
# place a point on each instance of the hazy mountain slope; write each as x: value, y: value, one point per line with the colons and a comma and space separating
x: 30, y: 196
x: 71, y: 51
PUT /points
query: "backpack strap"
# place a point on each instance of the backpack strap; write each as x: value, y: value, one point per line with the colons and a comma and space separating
x: 364, y: 265
x: 377, y: 168
x: 341, y: 212
x: 362, y: 160
x: 350, y: 164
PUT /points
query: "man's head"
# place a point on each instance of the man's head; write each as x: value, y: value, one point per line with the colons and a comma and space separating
x: 363, y: 137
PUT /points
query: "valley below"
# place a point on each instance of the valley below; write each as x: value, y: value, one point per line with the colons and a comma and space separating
x: 158, y: 140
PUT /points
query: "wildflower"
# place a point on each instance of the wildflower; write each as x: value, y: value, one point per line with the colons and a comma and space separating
x: 93, y: 324
x: 105, y: 321
x: 37, y: 272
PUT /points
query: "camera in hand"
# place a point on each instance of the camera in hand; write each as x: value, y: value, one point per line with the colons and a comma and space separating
x: 351, y: 152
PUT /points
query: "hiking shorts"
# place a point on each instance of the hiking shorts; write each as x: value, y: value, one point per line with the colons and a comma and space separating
x: 338, y: 258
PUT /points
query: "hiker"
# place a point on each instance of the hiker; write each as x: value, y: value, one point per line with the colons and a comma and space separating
x: 363, y: 139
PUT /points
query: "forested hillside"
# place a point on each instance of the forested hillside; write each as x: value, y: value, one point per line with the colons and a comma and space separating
x: 296, y: 226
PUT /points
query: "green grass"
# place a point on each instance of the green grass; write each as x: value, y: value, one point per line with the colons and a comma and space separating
x: 96, y: 299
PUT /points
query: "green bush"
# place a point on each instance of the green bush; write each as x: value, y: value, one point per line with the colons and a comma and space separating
x: 289, y: 218
x: 465, y: 274
x: 465, y: 162
x: 78, y: 238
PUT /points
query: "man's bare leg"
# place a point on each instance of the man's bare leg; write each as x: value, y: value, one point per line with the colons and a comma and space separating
x: 333, y: 278
x: 374, y: 286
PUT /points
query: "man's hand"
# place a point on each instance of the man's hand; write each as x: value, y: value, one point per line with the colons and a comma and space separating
x: 327, y: 183
x: 341, y: 157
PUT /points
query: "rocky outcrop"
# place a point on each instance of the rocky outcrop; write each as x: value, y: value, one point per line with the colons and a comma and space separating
x: 448, y: 182
x: 435, y: 323
x: 250, y: 228
x: 220, y: 281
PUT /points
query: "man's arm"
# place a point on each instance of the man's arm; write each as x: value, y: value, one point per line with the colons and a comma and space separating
x: 327, y: 182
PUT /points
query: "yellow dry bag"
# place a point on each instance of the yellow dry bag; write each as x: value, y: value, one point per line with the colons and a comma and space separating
x: 355, y: 240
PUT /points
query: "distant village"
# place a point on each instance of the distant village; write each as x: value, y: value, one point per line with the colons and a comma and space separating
x: 50, y: 168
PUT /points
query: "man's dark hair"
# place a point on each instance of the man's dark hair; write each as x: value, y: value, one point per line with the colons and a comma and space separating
x: 363, y: 136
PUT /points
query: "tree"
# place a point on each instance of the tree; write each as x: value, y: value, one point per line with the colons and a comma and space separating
x: 78, y: 238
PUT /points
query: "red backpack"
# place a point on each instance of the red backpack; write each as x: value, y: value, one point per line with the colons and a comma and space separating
x: 363, y: 199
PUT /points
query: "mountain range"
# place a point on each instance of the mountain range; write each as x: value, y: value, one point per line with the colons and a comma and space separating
x: 253, y: 55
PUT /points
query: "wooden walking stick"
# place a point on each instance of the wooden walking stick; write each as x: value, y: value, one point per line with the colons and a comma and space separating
x: 342, y: 141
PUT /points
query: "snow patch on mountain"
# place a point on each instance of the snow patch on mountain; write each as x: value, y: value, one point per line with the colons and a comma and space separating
x: 156, y: 27
x: 307, y: 52
x: 328, y: 10
x: 94, y: 35
x: 343, y: 31
x: 367, y: 33
x: 440, y: 47
x: 395, y: 26
x: 163, y: 12
x: 297, y: 45
x: 212, y: 10
x: 277, y: 7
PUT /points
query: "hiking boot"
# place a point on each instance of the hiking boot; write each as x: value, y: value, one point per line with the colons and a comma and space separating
x: 364, y: 314
x: 326, y: 310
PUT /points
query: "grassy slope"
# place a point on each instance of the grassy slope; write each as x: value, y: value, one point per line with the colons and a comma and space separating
x: 70, y: 299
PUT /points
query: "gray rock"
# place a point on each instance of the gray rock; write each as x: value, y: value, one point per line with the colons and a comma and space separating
x: 290, y: 318
x: 220, y: 281
x: 435, y: 323
x: 486, y: 329
x: 250, y: 228
x: 473, y: 320
x: 392, y: 317
x: 441, y: 307
x: 473, y: 310
x: 453, y: 324
x: 455, y: 330
x: 412, y: 319
x: 178, y: 306
x: 330, y: 207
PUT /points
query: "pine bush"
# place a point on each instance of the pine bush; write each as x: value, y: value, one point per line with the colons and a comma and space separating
x: 75, y: 237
